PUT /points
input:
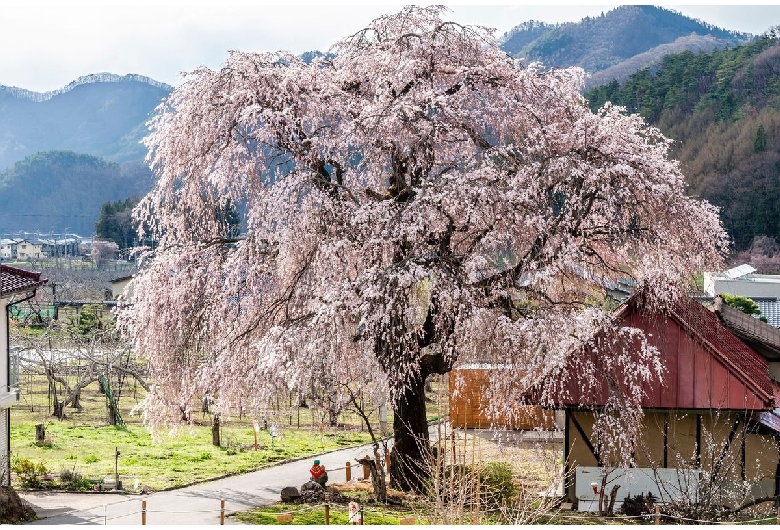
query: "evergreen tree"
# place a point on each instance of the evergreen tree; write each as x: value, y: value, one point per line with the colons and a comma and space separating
x: 759, y: 146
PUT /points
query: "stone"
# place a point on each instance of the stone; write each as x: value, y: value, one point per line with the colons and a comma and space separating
x: 290, y: 494
x: 311, y: 486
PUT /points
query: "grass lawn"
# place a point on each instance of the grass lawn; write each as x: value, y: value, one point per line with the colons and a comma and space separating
x: 85, y: 444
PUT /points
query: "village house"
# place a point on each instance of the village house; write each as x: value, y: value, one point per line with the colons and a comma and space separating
x: 711, y: 418
x: 28, y: 249
x: 763, y: 289
x: 8, y: 250
x: 16, y: 285
x: 715, y: 415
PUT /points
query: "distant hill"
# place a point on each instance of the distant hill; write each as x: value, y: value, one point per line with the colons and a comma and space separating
x: 723, y: 111
x: 598, y: 43
x: 101, y: 114
x: 56, y: 191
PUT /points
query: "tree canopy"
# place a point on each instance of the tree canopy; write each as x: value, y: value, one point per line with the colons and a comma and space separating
x: 414, y: 199
x: 116, y: 223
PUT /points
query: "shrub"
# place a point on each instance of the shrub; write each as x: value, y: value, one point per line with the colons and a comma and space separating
x: 496, y: 481
x: 493, y: 479
x: 639, y: 504
x: 29, y: 474
x: 74, y: 481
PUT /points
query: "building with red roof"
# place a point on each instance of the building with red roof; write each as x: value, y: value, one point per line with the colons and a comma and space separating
x: 712, y: 417
x: 16, y: 285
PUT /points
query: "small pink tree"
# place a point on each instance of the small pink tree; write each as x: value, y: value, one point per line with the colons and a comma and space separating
x: 414, y: 198
x: 103, y: 251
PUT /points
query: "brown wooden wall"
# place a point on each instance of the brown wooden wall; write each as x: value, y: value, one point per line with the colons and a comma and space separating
x: 468, y: 409
x: 761, y: 452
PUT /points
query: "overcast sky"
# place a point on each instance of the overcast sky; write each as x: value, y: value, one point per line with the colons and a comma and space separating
x: 45, y: 45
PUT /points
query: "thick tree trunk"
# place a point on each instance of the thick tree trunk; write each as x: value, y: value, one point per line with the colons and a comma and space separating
x: 409, y: 466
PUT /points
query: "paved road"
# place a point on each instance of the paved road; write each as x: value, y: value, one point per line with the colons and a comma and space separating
x: 194, y: 505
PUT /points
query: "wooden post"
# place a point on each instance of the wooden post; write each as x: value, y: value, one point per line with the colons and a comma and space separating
x: 387, y: 463
x: 143, y: 512
x: 657, y: 515
x: 349, y: 471
x: 778, y: 516
x: 222, y: 512
x: 365, y: 469
x: 40, y: 433
x: 327, y: 513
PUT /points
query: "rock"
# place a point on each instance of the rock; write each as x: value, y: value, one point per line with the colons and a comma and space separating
x: 311, y: 486
x: 12, y: 508
x: 290, y: 494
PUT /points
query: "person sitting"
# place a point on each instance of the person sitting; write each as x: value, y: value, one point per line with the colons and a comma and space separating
x: 318, y: 474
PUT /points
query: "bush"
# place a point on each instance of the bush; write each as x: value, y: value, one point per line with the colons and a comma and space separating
x: 495, y: 484
x: 639, y: 504
x: 74, y: 481
x: 30, y: 475
x: 496, y: 481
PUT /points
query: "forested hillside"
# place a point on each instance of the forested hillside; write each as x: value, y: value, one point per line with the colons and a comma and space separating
x: 58, y: 190
x: 102, y: 115
x: 597, y: 43
x: 723, y: 111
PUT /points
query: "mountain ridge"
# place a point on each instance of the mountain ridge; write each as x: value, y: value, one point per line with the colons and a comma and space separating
x: 101, y: 77
x: 596, y: 43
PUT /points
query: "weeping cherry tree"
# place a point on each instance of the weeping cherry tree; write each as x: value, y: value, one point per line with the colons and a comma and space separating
x: 414, y: 199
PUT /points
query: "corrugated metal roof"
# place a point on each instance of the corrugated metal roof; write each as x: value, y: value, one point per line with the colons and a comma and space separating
x: 14, y: 280
x: 761, y: 336
x: 769, y: 309
x: 741, y: 360
x: 737, y: 379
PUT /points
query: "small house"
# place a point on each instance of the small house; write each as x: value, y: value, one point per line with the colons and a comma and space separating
x: 16, y: 285
x: 713, y: 416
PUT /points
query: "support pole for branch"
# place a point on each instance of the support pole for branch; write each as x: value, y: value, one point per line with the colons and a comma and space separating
x: 366, y: 473
x: 657, y: 515
x: 143, y: 512
x: 222, y: 512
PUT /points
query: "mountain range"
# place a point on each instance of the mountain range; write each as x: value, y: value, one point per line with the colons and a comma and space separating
x: 101, y: 114
x: 638, y: 35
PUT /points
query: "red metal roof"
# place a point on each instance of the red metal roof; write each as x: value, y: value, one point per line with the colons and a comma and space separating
x: 14, y: 280
x: 706, y: 366
x: 741, y: 360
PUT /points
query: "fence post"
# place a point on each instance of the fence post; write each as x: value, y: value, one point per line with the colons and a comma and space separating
x: 365, y: 469
x: 327, y: 513
x: 143, y: 512
x: 657, y: 514
x: 349, y: 471
x: 222, y: 511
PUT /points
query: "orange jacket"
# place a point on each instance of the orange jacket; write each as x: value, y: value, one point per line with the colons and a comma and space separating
x: 317, y: 471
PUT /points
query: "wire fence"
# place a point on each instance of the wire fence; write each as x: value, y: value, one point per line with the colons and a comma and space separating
x: 356, y: 513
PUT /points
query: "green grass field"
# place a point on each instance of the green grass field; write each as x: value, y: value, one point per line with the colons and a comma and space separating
x: 85, y: 443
